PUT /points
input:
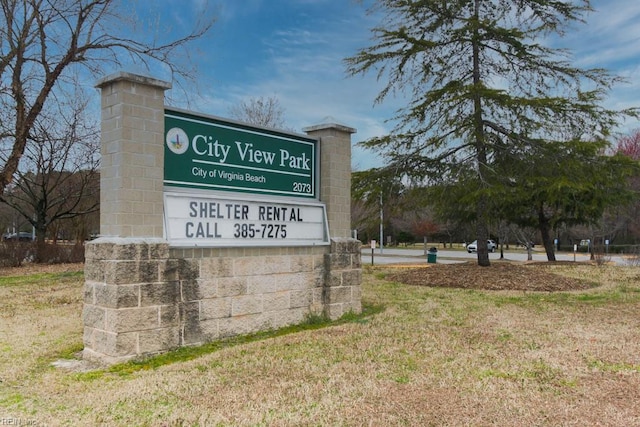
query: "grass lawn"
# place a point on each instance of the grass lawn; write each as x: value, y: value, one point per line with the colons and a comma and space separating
x: 422, y: 356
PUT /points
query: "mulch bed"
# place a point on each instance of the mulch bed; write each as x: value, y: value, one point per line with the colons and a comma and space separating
x: 498, y: 276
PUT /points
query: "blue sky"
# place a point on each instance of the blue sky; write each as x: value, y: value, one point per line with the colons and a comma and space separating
x: 294, y: 49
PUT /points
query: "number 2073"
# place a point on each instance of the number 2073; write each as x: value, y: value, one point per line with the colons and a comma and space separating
x: 301, y: 187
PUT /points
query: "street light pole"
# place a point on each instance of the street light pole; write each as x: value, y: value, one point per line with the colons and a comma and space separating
x: 381, y: 225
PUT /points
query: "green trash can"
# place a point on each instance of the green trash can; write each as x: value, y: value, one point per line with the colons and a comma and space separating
x: 432, y: 255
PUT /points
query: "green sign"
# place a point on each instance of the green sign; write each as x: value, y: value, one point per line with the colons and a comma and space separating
x: 210, y: 153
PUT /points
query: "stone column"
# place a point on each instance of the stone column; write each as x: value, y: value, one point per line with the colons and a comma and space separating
x: 335, y: 174
x: 131, y: 288
x: 343, y: 269
x: 132, y: 163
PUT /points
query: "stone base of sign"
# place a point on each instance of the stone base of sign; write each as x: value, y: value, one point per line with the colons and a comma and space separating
x: 143, y: 297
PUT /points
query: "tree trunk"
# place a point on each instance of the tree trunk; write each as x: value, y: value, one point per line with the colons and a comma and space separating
x: 545, y: 233
x: 40, y: 246
x: 482, y: 233
x: 482, y: 229
x: 40, y: 226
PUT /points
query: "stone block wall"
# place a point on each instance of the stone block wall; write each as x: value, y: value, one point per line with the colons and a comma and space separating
x: 143, y: 297
x: 224, y: 294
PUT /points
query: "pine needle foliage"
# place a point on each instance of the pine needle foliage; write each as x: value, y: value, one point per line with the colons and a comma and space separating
x: 482, y: 79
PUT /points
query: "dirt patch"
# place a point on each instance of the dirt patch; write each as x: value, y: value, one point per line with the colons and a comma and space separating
x: 498, y: 276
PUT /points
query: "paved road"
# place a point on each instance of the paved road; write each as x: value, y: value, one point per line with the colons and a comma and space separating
x: 394, y: 256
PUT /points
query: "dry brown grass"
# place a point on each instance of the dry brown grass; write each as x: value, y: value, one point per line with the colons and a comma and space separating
x: 434, y: 356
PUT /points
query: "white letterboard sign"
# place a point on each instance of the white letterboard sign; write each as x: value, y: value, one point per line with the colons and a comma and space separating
x: 213, y: 221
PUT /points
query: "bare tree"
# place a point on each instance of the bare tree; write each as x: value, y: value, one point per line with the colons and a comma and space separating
x: 44, y: 42
x: 525, y: 239
x: 261, y: 111
x: 59, y: 178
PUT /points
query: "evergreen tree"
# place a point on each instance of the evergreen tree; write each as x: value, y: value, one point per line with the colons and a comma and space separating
x: 479, y: 80
x: 567, y: 184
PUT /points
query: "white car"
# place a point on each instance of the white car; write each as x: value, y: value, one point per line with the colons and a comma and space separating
x: 473, y: 246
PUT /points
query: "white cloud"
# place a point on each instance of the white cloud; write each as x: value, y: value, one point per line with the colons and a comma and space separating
x: 610, y: 35
x: 300, y: 61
